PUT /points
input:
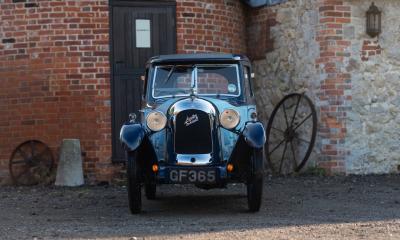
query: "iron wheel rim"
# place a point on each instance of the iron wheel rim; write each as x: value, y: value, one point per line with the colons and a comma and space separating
x: 39, y: 158
x: 291, y: 134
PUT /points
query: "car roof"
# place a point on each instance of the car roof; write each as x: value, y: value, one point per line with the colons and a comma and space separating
x: 198, y: 57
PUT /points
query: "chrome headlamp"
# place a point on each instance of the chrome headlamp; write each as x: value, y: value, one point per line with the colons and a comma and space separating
x: 229, y: 118
x: 156, y: 121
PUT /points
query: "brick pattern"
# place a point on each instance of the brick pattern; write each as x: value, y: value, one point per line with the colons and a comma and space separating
x: 259, y: 24
x: 370, y: 48
x: 207, y: 83
x: 212, y: 83
x: 211, y: 26
x: 335, y: 93
x: 54, y: 72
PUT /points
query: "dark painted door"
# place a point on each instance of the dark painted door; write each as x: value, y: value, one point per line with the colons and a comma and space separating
x: 139, y: 31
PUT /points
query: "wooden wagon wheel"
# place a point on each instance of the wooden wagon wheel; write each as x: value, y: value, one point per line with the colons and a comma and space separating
x: 291, y: 133
x: 31, y: 163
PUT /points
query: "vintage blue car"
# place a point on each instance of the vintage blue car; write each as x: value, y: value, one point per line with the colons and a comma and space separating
x: 198, y: 125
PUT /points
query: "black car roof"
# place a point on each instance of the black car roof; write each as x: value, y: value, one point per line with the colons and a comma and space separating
x: 198, y: 57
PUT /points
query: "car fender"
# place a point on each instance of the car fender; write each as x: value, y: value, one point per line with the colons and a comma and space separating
x: 254, y: 134
x: 131, y: 136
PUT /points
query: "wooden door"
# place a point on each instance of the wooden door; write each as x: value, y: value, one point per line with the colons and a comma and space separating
x: 139, y: 31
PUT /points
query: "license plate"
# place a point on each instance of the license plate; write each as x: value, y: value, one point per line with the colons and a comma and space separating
x: 192, y: 175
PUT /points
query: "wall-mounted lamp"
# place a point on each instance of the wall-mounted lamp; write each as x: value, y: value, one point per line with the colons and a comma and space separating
x: 374, y: 21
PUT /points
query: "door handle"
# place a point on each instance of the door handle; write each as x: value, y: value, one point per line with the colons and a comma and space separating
x: 119, y: 62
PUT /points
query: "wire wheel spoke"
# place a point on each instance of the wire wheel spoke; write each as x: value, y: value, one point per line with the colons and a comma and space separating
x: 292, y: 114
x: 19, y: 162
x: 36, y: 165
x: 295, y: 110
x: 19, y: 175
x: 22, y: 153
x: 284, y: 112
x: 283, y: 158
x: 303, y: 121
x: 279, y: 130
x: 303, y: 140
x: 277, y: 146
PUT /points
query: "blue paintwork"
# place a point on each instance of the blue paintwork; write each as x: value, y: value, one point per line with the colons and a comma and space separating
x: 227, y: 137
x: 254, y: 134
x: 131, y: 136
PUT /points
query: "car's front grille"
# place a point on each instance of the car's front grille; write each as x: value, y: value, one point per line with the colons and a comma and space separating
x: 193, y: 132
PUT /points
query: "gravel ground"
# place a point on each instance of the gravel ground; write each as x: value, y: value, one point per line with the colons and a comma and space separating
x: 293, y: 208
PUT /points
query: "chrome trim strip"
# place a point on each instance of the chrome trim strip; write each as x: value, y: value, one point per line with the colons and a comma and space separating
x: 192, y: 103
x: 187, y: 159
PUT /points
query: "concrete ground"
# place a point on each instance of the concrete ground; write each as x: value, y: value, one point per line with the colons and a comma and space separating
x: 293, y: 208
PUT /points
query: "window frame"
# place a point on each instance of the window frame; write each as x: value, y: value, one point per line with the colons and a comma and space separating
x: 194, y: 80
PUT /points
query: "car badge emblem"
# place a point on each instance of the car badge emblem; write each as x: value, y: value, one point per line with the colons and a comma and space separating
x: 190, y: 120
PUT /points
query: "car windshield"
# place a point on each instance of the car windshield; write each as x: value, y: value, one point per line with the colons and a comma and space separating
x: 183, y: 80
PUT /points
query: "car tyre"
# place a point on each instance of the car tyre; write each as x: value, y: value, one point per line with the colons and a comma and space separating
x: 150, y: 190
x: 255, y: 182
x: 134, y: 184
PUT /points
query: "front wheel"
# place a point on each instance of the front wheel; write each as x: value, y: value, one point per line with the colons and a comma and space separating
x: 255, y: 182
x: 134, y: 184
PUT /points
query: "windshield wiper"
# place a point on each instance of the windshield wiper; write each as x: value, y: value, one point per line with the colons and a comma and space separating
x: 170, y: 74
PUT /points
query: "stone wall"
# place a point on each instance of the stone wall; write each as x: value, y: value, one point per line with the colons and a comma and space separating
x: 285, y: 55
x: 321, y: 47
x: 374, y: 121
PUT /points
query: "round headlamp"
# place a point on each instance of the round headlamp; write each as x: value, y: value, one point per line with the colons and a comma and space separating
x: 156, y: 121
x: 229, y: 118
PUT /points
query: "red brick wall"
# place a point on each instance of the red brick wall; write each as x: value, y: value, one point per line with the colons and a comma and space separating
x: 211, y: 26
x: 334, y: 95
x: 54, y: 78
x: 259, y: 23
x: 54, y: 70
x: 370, y: 48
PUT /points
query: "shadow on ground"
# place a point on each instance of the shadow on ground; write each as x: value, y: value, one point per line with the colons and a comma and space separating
x: 102, y: 212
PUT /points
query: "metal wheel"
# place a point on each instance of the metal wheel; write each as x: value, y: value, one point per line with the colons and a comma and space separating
x: 291, y: 133
x: 31, y: 163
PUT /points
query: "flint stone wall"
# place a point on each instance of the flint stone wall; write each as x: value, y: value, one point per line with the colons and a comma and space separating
x: 290, y: 65
x: 374, y: 122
